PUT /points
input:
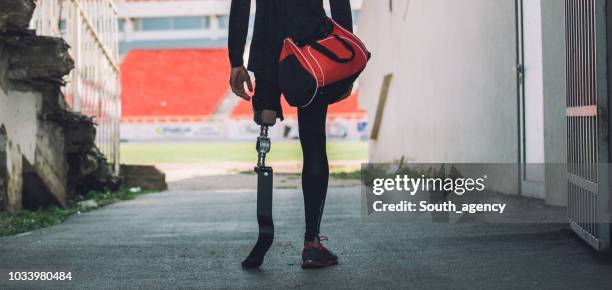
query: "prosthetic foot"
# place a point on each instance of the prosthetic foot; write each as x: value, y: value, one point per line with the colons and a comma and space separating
x: 264, y: 203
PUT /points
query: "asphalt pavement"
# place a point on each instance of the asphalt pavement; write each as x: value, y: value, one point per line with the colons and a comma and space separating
x: 196, y: 239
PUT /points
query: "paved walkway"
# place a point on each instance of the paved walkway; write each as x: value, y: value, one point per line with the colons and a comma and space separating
x: 196, y: 239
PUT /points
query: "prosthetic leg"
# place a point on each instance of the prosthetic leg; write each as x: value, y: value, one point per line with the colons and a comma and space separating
x: 264, y: 201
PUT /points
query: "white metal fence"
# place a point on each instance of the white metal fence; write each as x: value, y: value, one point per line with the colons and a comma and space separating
x: 90, y: 28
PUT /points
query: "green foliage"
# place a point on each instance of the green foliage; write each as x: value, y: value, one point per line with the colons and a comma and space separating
x: 106, y: 198
x: 27, y: 220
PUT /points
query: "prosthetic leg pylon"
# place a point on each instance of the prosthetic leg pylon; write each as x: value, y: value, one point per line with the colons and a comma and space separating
x: 264, y: 203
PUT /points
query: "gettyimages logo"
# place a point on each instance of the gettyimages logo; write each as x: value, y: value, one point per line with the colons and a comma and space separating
x: 459, y: 186
x: 430, y: 192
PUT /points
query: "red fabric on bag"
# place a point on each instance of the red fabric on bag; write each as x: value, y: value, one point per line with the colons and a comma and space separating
x: 325, y: 70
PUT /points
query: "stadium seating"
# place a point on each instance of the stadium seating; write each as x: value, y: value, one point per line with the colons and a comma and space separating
x: 179, y: 85
x: 346, y: 108
x: 178, y: 82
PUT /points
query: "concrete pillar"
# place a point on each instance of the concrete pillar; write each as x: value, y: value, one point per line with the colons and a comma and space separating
x: 555, y: 131
x: 214, y: 26
x: 15, y: 177
x: 3, y: 171
x: 128, y: 29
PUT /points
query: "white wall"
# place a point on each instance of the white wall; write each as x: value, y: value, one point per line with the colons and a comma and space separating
x: 29, y: 138
x: 534, y: 82
x: 454, y: 96
x: 18, y: 115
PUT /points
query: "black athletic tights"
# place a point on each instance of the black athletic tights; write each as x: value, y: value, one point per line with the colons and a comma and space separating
x: 315, y: 170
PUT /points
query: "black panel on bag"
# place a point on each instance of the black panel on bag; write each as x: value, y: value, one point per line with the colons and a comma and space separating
x: 336, y: 92
x: 297, y: 84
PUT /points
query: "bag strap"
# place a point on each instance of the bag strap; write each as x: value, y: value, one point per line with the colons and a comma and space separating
x: 331, y: 55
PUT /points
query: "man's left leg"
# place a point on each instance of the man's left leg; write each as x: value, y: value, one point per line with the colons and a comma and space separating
x: 315, y: 178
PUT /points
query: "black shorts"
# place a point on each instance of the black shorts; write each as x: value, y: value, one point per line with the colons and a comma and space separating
x: 267, y: 96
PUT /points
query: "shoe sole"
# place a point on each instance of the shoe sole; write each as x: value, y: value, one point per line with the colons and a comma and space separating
x: 251, y: 264
x: 316, y: 265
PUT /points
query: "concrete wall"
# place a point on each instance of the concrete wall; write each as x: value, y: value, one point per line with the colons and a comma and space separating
x: 47, y: 153
x: 453, y: 70
x: 18, y: 116
x: 31, y: 142
x: 454, y: 96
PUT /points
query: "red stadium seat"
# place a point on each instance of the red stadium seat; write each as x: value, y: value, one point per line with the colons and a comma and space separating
x: 177, y: 82
x: 189, y: 84
x: 348, y: 107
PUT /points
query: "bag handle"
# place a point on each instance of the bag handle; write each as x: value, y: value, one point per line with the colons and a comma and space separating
x: 331, y: 55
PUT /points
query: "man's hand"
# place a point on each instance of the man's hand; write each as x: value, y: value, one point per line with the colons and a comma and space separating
x: 238, y: 77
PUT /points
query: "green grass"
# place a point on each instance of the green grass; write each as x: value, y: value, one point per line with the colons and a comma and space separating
x: 352, y: 175
x: 155, y: 153
x: 28, y: 220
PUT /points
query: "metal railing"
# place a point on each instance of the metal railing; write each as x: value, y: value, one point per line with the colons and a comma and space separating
x: 90, y: 28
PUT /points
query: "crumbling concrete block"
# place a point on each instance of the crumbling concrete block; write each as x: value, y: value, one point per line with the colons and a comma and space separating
x: 80, y: 133
x: 58, y: 156
x: 92, y: 173
x: 88, y: 168
x: 35, y: 59
x: 15, y: 15
x: 145, y: 177
x: 50, y: 167
x: 36, y: 192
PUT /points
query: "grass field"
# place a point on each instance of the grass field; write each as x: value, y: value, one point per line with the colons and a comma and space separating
x: 156, y: 153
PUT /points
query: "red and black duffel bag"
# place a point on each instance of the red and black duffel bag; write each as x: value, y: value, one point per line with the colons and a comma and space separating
x: 326, y: 67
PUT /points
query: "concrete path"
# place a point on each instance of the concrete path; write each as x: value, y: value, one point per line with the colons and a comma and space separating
x: 194, y: 239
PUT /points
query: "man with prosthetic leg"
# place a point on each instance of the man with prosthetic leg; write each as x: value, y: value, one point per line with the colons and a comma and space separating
x: 275, y: 21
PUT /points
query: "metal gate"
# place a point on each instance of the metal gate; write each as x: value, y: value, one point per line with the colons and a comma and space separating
x: 588, y: 121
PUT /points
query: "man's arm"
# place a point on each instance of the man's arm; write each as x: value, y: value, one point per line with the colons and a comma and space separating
x: 240, y: 12
x: 342, y: 13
